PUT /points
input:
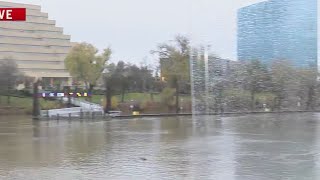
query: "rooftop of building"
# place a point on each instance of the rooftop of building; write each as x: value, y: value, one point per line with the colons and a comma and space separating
x: 22, y: 5
x: 253, y: 5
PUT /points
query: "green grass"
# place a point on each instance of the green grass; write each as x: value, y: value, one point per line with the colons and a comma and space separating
x: 27, y: 102
x: 128, y: 97
x: 16, y: 101
x: 97, y: 99
x: 137, y: 97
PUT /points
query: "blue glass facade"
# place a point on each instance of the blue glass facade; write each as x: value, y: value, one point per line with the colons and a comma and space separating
x: 279, y: 29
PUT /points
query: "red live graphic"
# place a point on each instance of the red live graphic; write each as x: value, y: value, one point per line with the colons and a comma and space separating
x: 13, y: 14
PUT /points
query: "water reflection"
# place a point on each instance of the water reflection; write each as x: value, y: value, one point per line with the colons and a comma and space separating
x: 277, y: 146
x: 272, y: 146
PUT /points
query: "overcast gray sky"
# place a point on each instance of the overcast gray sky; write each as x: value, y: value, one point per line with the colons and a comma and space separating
x: 133, y: 28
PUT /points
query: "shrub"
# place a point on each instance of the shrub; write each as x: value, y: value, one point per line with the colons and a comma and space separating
x: 98, y: 92
x: 168, y: 97
x: 46, y: 105
x: 114, y: 103
x: 144, y: 104
x: 25, y: 92
x: 237, y: 100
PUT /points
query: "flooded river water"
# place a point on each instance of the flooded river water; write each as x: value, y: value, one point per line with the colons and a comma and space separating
x: 270, y: 146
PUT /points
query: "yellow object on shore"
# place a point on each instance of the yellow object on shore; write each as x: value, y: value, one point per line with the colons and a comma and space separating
x: 135, y: 113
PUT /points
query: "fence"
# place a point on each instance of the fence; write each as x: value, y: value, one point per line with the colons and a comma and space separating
x: 73, y: 114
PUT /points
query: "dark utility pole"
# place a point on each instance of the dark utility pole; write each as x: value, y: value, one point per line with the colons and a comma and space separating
x: 36, y: 105
x: 108, y: 97
x: 69, y: 97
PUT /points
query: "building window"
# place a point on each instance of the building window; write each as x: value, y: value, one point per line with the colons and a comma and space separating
x: 39, y: 62
x: 36, y: 38
x: 36, y: 47
x: 36, y: 53
x: 43, y: 70
x: 29, y: 30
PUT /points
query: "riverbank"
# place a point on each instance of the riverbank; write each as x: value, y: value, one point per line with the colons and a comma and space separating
x: 148, y: 104
x: 150, y: 108
x: 227, y: 114
x: 23, y: 105
x: 8, y: 111
x: 215, y: 114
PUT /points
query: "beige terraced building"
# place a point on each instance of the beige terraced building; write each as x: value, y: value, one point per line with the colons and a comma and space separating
x: 37, y: 45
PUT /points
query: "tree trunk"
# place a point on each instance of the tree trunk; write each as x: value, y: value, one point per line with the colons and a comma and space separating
x: 8, y: 92
x: 36, y: 105
x: 151, y: 96
x: 122, y: 95
x: 108, y: 98
x: 8, y: 99
x: 279, y: 103
x: 86, y: 86
x: 69, y: 97
x: 252, y: 101
x: 177, y: 97
x: 91, y: 86
x: 310, y: 99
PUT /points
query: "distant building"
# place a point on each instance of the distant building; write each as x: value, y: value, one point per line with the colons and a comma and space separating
x: 279, y: 29
x: 37, y: 45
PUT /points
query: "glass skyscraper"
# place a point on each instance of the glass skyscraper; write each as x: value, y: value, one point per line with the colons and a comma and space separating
x: 279, y: 29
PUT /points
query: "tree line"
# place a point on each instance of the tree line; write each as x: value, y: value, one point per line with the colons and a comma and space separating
x: 85, y: 64
x: 279, y: 86
x: 247, y: 86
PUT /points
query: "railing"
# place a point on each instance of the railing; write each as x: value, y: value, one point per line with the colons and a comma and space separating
x: 65, y: 111
x: 84, y: 104
x: 72, y: 113
x: 85, y: 109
